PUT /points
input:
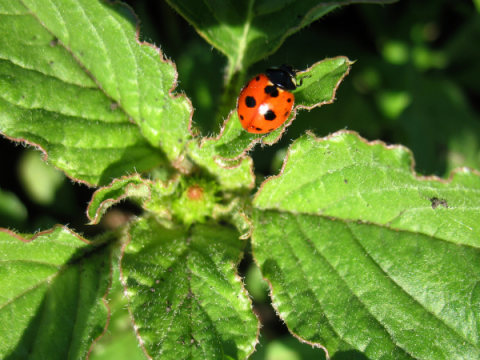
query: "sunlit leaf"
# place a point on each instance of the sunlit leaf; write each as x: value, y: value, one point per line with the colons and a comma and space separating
x: 185, y: 296
x: 76, y: 83
x: 362, y: 255
x: 53, y: 288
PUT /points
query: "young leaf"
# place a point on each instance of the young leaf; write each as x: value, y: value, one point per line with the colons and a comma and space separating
x: 76, y: 82
x: 231, y: 175
x: 321, y: 80
x: 363, y: 255
x: 248, y: 31
x: 53, y: 294
x: 185, y: 296
x: 119, y: 189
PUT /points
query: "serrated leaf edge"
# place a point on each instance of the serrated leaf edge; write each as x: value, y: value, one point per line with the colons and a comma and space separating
x: 165, y: 60
x: 162, y: 58
x: 27, y: 240
x: 135, y: 327
x: 260, y: 139
x: 223, y: 162
x: 104, y: 205
x: 369, y: 143
x: 110, y: 202
x: 277, y: 312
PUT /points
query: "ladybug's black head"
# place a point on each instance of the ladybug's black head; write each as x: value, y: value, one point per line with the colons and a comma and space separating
x: 283, y: 77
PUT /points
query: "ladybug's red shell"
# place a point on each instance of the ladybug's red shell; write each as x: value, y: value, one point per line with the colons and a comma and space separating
x: 263, y: 106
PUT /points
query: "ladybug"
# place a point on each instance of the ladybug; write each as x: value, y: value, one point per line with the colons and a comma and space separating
x: 266, y: 102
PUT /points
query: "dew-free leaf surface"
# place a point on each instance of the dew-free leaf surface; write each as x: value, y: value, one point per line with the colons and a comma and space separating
x: 186, y: 299
x: 364, y: 255
x: 119, y: 189
x: 52, y: 300
x: 344, y: 177
x: 75, y: 82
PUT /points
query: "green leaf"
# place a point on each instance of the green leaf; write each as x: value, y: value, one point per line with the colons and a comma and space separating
x: 185, y: 296
x: 363, y: 255
x: 187, y: 200
x: 231, y: 175
x: 76, y: 82
x: 320, y: 83
x: 248, y: 31
x: 118, y: 190
x: 345, y: 177
x: 119, y: 342
x: 389, y: 294
x: 53, y: 290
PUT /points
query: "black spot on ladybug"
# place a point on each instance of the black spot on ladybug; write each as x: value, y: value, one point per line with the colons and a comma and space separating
x: 289, y: 100
x: 286, y: 113
x: 257, y: 78
x: 271, y: 90
x: 250, y: 101
x: 271, y: 130
x: 258, y: 129
x: 241, y: 117
x: 270, y: 115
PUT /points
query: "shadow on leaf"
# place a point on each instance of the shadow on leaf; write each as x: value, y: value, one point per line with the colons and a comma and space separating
x: 71, y: 314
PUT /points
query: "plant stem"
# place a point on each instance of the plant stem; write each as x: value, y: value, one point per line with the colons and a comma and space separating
x: 234, y: 80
